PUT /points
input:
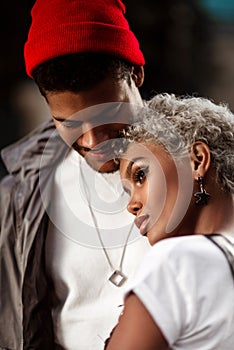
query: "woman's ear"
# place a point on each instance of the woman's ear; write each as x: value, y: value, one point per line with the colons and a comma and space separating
x: 137, y: 75
x: 200, y: 158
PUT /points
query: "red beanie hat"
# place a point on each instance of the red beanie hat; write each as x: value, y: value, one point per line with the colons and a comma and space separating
x: 62, y: 27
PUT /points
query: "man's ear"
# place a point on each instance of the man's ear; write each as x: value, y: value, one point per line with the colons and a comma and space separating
x: 200, y: 158
x: 138, y: 75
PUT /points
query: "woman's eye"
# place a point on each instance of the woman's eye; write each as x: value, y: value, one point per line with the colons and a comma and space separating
x: 140, y: 175
x: 126, y: 190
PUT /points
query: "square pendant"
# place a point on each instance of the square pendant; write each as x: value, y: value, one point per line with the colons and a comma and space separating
x: 117, y: 278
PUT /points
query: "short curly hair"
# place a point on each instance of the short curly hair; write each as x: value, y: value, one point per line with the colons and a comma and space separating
x: 79, y: 71
x: 178, y: 122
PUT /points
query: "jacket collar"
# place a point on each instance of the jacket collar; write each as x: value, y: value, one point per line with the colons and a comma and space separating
x: 41, y: 148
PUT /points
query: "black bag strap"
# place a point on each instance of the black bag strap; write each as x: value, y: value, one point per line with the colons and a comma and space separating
x: 226, y: 246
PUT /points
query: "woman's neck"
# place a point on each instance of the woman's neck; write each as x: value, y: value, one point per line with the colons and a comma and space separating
x: 215, y: 217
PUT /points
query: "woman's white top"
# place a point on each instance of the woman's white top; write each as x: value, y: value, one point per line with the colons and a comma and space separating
x: 186, y: 285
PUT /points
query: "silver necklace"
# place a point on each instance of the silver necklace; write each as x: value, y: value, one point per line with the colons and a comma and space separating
x: 117, y: 277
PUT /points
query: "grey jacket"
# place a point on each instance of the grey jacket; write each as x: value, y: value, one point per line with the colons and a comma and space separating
x: 25, y: 317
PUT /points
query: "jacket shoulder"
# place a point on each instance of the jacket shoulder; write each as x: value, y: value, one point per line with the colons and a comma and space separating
x: 7, y: 185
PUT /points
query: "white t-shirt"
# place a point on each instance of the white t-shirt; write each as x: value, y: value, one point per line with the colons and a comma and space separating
x: 86, y: 303
x: 187, y: 286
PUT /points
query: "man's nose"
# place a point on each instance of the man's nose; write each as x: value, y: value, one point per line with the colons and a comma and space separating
x: 92, y: 137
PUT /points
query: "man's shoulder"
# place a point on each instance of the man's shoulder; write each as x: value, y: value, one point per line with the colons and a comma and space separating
x: 6, y: 183
x: 28, y: 151
x: 43, y: 129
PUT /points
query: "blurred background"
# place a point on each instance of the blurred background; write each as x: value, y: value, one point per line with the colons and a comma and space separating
x: 188, y: 47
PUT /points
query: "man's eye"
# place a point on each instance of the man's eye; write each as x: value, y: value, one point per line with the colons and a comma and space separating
x: 73, y: 124
x: 140, y: 174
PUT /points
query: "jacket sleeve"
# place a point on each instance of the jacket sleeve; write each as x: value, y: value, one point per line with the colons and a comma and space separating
x: 6, y: 187
x: 10, y: 337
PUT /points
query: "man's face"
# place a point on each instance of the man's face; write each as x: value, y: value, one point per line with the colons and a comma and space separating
x: 90, y: 120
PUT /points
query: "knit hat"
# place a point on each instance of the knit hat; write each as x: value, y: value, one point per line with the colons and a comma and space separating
x: 62, y: 27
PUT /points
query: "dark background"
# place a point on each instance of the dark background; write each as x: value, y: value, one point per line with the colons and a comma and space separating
x: 188, y: 47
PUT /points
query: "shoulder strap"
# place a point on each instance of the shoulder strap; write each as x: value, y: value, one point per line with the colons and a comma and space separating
x: 226, y: 246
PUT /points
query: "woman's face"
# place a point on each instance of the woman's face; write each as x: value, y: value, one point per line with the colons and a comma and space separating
x: 151, y: 177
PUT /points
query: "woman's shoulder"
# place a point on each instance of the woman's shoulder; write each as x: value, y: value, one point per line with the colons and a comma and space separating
x: 184, y: 254
x: 174, y: 246
x: 179, y: 283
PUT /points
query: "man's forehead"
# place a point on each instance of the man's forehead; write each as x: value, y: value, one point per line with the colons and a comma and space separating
x: 103, y: 112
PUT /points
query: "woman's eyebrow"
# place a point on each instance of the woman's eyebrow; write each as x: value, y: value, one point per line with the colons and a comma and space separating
x: 130, y: 165
x: 128, y: 170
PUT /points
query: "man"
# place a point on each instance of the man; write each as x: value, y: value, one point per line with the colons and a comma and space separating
x: 65, y: 237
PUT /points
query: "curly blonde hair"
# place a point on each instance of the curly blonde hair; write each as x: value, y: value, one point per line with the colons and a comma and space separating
x: 178, y: 122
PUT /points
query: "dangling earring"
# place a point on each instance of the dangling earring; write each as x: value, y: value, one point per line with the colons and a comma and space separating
x: 202, y: 196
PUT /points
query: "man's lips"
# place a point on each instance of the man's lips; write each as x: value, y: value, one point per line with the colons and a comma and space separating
x: 104, y: 153
x: 97, y: 153
x: 141, y: 222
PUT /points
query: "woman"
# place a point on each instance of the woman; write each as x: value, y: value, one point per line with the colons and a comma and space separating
x: 178, y: 169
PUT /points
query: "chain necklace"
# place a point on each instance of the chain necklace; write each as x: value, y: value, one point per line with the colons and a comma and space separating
x: 118, y: 278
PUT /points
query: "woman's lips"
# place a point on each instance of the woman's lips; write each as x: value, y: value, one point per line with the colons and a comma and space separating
x: 141, y: 222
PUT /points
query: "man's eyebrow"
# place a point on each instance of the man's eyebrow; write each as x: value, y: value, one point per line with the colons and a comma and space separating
x: 103, y: 113
x: 64, y: 120
x: 59, y: 119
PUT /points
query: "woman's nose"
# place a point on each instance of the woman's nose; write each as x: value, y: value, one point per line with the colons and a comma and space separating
x: 134, y: 206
